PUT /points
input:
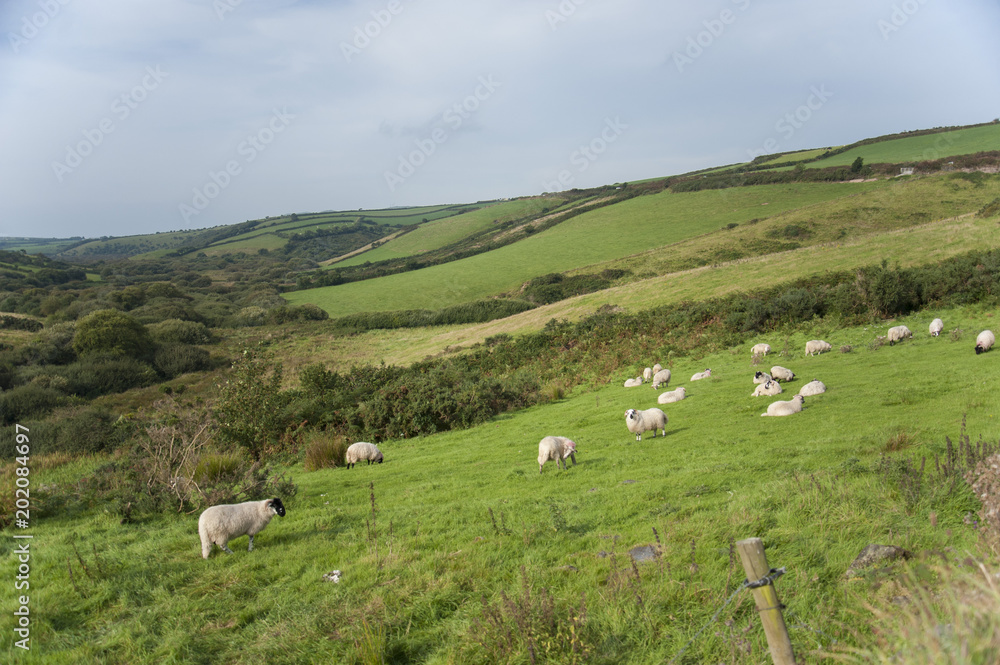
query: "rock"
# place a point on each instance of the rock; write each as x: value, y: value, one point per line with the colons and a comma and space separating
x: 643, y: 553
x: 875, y: 554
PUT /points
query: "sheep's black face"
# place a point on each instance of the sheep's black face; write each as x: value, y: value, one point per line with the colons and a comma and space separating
x: 630, y: 414
x: 278, y: 507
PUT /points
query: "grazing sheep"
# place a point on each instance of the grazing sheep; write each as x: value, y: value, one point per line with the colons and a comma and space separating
x: 701, y: 375
x: 647, y: 374
x: 761, y: 377
x: 361, y: 450
x: 937, y: 325
x: 985, y: 341
x: 656, y: 368
x: 671, y: 396
x: 760, y: 349
x: 768, y: 388
x: 816, y: 346
x: 782, y: 373
x: 897, y: 334
x: 632, y: 383
x: 661, y: 378
x: 814, y: 387
x: 793, y: 405
x: 643, y: 421
x: 555, y: 448
x: 220, y: 524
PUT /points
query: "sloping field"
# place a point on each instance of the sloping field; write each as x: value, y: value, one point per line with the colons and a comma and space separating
x: 616, y: 231
x: 920, y: 148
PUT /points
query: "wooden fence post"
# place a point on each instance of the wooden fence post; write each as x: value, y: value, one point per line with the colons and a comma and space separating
x: 755, y: 564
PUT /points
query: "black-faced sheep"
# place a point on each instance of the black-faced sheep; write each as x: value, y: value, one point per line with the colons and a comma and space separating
x: 644, y: 421
x: 761, y: 377
x: 220, y: 524
x: 985, y: 341
x: 936, y: 326
x: 898, y: 334
x: 767, y: 388
x: 360, y: 451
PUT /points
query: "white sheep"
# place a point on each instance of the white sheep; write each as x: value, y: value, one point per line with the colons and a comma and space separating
x: 656, y: 368
x: 701, y: 375
x: 897, y: 334
x: 793, y: 405
x: 769, y: 388
x: 220, y: 524
x: 672, y: 396
x: 760, y: 349
x: 761, y: 377
x: 556, y: 448
x: 632, y: 383
x: 816, y: 346
x: 362, y: 450
x: 937, y: 325
x: 985, y: 341
x: 643, y: 421
x: 814, y: 387
x: 647, y: 374
x: 782, y: 373
x: 661, y: 378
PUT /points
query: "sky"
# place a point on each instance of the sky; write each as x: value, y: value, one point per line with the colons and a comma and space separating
x: 120, y: 117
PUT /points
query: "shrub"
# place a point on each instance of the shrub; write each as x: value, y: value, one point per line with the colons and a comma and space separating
x: 177, y: 331
x: 23, y: 402
x: 176, y: 359
x: 325, y: 452
x: 251, y: 403
x: 98, y: 375
x: 11, y: 322
x: 109, y: 331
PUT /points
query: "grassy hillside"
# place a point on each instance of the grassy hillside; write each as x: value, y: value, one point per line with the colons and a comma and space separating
x: 431, y: 542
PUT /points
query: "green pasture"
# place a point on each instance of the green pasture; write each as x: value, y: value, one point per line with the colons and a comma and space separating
x: 466, y: 551
x: 797, y: 156
x: 609, y: 233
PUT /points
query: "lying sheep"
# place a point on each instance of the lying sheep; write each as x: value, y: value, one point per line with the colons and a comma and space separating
x: 816, y: 346
x: 898, y: 334
x: 937, y: 325
x: 760, y: 349
x: 647, y: 374
x: 632, y: 383
x: 985, y: 341
x: 643, y: 421
x: 661, y: 378
x: 362, y: 450
x: 793, y: 405
x: 672, y: 396
x: 220, y: 524
x: 701, y: 375
x: 814, y: 387
x: 761, y: 377
x: 768, y: 388
x: 782, y: 373
x: 556, y: 448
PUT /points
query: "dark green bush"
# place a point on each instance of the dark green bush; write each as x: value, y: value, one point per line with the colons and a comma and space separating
x: 11, y: 322
x: 177, y: 331
x: 109, y: 331
x: 22, y: 402
x: 175, y: 359
x: 98, y: 375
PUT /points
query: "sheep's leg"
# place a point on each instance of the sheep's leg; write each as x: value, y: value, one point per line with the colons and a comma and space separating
x: 572, y: 456
x: 250, y: 549
x: 225, y: 548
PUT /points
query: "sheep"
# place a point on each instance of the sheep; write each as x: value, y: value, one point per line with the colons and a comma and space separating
x: 782, y: 373
x: 701, y: 375
x: 656, y: 368
x: 556, y: 448
x: 647, y: 374
x: 760, y: 349
x: 897, y: 334
x: 985, y: 341
x: 661, y: 378
x: 817, y: 346
x: 643, y: 421
x: 937, y: 325
x: 814, y: 387
x: 769, y: 388
x: 793, y: 405
x: 672, y: 396
x: 632, y: 383
x: 220, y: 524
x: 761, y: 377
x: 362, y: 451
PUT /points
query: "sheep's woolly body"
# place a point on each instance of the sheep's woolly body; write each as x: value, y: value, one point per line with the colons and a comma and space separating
x: 793, y: 405
x: 656, y: 368
x: 767, y: 388
x: 220, y: 524
x: 815, y: 346
x: 361, y: 451
x: 782, y: 373
x: 701, y: 375
x: 671, y: 396
x: 897, y: 334
x: 661, y: 378
x: 632, y: 383
x: 647, y: 374
x: 985, y: 341
x: 761, y: 377
x: 643, y: 421
x: 937, y: 325
x: 814, y: 387
x: 760, y: 349
x: 556, y: 448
